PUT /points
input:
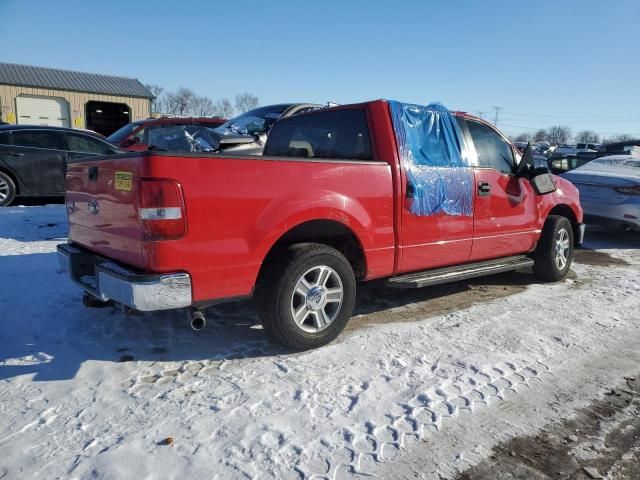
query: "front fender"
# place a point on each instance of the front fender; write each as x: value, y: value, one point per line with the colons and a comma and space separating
x: 566, y: 194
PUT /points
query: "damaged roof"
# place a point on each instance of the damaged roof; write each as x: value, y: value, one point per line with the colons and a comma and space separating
x: 43, y: 77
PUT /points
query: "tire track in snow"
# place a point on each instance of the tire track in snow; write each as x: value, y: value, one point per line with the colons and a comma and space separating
x: 357, y: 449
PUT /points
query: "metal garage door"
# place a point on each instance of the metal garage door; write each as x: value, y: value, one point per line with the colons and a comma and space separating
x: 43, y: 111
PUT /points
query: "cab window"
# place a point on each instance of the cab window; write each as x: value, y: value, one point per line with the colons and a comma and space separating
x: 340, y: 134
x: 493, y: 150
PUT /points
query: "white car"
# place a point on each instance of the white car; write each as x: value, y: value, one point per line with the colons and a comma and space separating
x: 587, y: 147
x: 564, y: 150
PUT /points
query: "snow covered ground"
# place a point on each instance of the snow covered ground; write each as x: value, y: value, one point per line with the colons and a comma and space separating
x: 423, y: 384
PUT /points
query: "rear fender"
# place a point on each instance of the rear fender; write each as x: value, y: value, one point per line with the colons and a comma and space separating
x: 285, y: 213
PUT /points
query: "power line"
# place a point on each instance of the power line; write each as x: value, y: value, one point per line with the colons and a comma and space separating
x: 575, y: 116
x: 522, y: 127
x: 608, y: 116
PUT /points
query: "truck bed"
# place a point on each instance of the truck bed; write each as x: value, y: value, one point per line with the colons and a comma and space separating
x: 236, y: 209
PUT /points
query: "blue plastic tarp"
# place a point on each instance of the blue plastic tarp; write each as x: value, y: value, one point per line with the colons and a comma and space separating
x: 430, y: 146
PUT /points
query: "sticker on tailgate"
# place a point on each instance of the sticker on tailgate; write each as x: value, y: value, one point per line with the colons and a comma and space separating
x: 123, y: 181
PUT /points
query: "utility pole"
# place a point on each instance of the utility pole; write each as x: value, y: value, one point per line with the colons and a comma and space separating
x: 495, y: 121
x: 480, y: 113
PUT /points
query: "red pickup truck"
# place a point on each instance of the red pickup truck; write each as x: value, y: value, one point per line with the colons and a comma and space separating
x: 415, y: 194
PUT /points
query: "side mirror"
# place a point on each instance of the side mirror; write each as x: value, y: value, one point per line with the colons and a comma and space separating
x: 542, y: 182
x: 525, y: 167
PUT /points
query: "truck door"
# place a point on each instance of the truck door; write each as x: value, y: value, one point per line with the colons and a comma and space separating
x: 506, y: 207
x: 435, y: 240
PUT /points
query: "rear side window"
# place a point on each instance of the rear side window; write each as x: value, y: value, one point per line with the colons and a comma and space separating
x: 341, y: 134
x: 39, y: 139
x: 582, y: 145
x: 493, y: 150
x: 86, y: 144
x: 5, y: 139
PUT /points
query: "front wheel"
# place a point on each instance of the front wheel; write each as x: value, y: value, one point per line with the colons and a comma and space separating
x: 306, y: 295
x: 554, y: 253
x: 7, y: 190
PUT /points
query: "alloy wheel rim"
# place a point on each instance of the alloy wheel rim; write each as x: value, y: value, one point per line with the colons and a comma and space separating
x: 317, y: 299
x: 4, y: 190
x: 562, y: 247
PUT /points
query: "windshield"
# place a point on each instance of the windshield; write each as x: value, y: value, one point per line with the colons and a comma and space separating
x: 122, y: 133
x: 253, y: 122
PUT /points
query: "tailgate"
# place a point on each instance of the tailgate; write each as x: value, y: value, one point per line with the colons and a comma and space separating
x: 102, y: 204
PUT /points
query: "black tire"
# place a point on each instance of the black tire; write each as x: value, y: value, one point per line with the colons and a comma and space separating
x: 275, y: 295
x: 547, y: 266
x: 7, y: 190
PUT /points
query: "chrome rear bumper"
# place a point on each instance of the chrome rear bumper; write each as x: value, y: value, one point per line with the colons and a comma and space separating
x: 107, y: 280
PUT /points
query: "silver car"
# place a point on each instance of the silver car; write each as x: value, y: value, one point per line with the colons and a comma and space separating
x: 247, y: 133
x: 610, y: 190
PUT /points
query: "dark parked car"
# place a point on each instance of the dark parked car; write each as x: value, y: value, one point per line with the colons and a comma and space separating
x: 158, y: 133
x: 33, y: 159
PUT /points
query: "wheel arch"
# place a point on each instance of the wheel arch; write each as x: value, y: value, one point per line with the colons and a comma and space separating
x: 564, y: 210
x: 326, y: 232
x: 13, y: 177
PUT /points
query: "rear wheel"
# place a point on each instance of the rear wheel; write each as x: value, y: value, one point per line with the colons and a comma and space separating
x: 7, y: 190
x: 554, y: 253
x: 306, y: 295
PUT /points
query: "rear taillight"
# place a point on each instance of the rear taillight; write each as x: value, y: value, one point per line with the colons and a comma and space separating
x: 162, y: 210
x: 634, y: 190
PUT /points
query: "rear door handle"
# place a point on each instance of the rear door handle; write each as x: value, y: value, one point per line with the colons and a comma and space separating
x: 16, y: 154
x: 484, y: 189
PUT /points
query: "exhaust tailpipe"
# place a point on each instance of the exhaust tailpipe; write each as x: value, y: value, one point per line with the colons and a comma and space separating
x: 197, y: 320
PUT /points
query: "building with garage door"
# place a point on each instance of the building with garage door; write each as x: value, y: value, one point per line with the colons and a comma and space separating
x: 49, y: 96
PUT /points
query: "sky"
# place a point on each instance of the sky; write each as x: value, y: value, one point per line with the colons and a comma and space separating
x: 572, y: 62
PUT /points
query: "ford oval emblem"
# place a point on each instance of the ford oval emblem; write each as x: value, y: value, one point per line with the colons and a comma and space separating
x: 93, y: 207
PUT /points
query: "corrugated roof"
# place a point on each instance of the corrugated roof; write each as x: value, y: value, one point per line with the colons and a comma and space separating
x: 42, y: 77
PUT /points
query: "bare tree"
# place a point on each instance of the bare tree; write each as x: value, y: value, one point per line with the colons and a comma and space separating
x: 558, y: 134
x: 245, y: 102
x: 523, y: 137
x: 169, y: 103
x: 588, y: 136
x: 625, y: 137
x: 202, y: 106
x: 156, y: 102
x: 540, y: 135
x: 223, y: 108
x: 183, y: 99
